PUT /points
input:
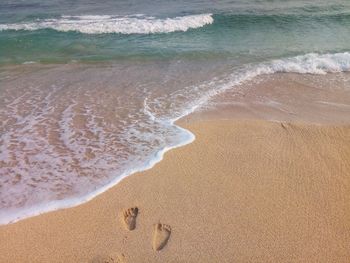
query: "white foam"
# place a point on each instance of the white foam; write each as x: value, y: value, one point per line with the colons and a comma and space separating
x: 99, y: 24
x: 29, y: 62
x: 16, y: 215
x: 313, y: 63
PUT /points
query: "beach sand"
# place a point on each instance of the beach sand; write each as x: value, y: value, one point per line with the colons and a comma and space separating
x: 243, y: 191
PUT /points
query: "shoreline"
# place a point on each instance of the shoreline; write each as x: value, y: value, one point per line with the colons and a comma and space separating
x: 74, y: 202
x: 265, y: 85
x: 220, y: 196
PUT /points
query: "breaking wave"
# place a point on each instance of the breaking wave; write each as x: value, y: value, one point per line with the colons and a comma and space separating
x: 101, y: 24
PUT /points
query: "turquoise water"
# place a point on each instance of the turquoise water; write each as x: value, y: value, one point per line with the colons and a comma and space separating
x: 240, y: 31
x: 90, y: 90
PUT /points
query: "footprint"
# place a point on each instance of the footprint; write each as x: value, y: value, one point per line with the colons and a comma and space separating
x: 160, y: 236
x: 113, y: 258
x: 129, y: 217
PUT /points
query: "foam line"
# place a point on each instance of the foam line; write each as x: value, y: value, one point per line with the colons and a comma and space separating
x: 135, y: 24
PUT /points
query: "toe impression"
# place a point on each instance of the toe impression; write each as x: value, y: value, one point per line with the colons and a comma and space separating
x: 129, y: 218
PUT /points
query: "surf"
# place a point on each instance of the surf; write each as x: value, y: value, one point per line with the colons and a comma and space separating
x: 106, y: 24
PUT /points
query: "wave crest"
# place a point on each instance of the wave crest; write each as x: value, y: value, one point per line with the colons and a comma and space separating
x: 95, y: 24
x: 312, y: 63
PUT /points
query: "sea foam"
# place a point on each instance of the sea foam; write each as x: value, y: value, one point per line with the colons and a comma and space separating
x: 100, y: 24
x: 312, y: 63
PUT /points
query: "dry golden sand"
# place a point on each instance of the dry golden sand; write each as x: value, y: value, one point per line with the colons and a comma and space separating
x: 244, y: 191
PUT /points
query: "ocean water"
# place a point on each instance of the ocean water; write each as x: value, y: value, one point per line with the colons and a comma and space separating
x: 90, y: 90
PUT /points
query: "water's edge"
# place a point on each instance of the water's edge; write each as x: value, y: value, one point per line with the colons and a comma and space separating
x: 306, y: 64
x: 73, y: 202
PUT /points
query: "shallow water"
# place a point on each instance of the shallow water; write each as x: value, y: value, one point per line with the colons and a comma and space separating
x: 89, y: 93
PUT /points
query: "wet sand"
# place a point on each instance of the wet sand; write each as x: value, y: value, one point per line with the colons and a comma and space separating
x: 322, y: 99
x: 244, y: 191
